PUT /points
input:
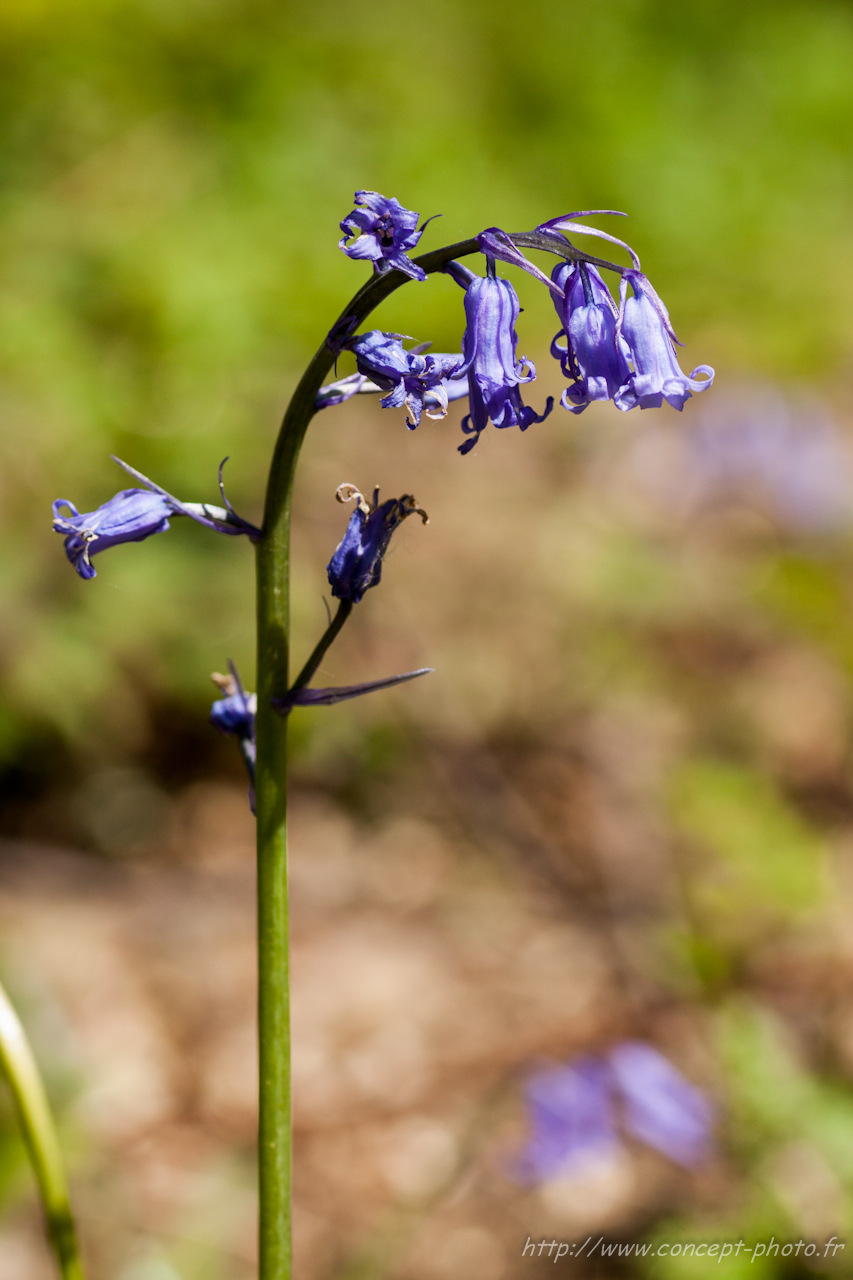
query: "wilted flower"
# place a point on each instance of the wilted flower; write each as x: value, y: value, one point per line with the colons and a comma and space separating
x: 577, y: 1111
x: 357, y: 563
x: 592, y: 357
x: 645, y: 325
x: 235, y: 714
x: 134, y: 515
x: 384, y: 233
x: 490, y: 361
x: 406, y: 376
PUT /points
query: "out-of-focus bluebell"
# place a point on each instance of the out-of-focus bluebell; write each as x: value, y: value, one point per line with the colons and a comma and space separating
x: 235, y: 714
x: 750, y: 447
x: 357, y: 563
x: 405, y: 376
x: 384, y: 233
x: 579, y: 1112
x: 133, y: 515
x: 490, y: 360
x: 645, y: 325
x: 593, y: 358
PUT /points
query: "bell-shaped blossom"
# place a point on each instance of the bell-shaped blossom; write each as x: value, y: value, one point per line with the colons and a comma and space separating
x: 578, y: 1112
x: 234, y: 714
x: 357, y: 563
x: 131, y: 516
x: 384, y: 233
x: 645, y: 326
x: 406, y: 376
x: 593, y: 357
x: 134, y: 515
x: 489, y: 349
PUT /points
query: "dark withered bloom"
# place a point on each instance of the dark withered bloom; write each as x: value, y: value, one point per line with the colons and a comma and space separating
x: 357, y: 563
x: 384, y: 232
x: 494, y: 370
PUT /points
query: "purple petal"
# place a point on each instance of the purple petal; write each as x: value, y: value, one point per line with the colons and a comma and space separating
x: 661, y: 1108
x: 497, y: 244
x: 571, y: 1119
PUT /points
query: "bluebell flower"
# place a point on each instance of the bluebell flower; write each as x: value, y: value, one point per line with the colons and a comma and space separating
x: 357, y: 563
x: 593, y: 358
x: 577, y: 1112
x: 235, y: 714
x: 490, y: 360
x: 406, y: 376
x: 435, y: 400
x: 384, y: 233
x: 645, y: 325
x: 134, y: 515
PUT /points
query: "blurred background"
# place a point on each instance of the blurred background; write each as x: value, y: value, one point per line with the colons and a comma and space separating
x: 621, y: 808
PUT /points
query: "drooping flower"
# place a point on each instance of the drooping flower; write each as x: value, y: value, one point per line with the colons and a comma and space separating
x: 577, y: 1112
x: 133, y: 515
x: 490, y: 361
x: 645, y: 325
x: 384, y: 232
x: 357, y: 563
x: 435, y: 401
x: 406, y: 376
x: 235, y: 714
x: 593, y: 358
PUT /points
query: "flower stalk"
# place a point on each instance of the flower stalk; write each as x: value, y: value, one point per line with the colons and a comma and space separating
x: 39, y: 1133
x: 273, y: 638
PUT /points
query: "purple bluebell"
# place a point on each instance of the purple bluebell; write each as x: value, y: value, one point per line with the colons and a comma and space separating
x: 660, y: 1107
x: 592, y: 357
x: 571, y: 1119
x: 134, y: 515
x: 490, y: 361
x: 235, y: 714
x: 406, y: 376
x: 577, y: 1112
x: 645, y: 326
x: 131, y: 516
x: 384, y: 233
x: 357, y: 563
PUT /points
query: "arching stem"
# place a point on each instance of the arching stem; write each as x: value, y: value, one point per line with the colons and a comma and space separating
x: 273, y: 621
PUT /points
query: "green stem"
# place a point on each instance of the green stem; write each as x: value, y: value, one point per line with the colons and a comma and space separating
x: 273, y: 620
x: 322, y: 645
x: 36, y: 1121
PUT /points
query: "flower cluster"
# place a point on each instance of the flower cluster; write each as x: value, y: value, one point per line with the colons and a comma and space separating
x: 624, y: 353
x: 577, y: 1112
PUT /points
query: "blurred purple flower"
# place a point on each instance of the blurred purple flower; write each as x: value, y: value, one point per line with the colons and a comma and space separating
x: 134, y: 515
x: 645, y: 325
x: 234, y: 714
x: 357, y: 563
x: 384, y: 233
x: 577, y: 1111
x: 593, y: 358
x: 407, y: 376
x: 490, y: 361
